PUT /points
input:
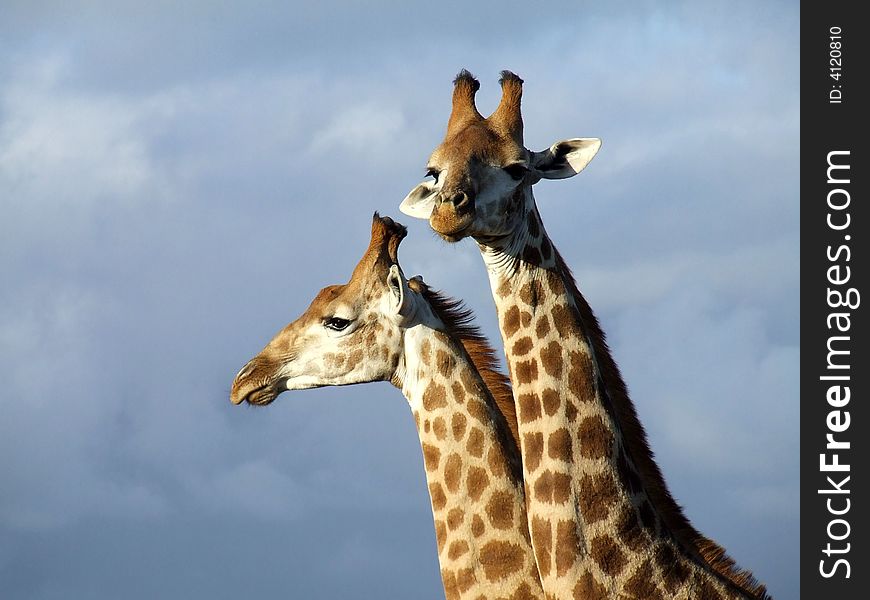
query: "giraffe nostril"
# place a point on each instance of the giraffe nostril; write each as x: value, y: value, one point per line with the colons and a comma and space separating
x: 457, y: 199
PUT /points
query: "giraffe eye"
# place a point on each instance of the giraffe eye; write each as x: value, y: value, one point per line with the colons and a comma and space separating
x: 336, y: 323
x: 517, y: 171
x: 433, y: 173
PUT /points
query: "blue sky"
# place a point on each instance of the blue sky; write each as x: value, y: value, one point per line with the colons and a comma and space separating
x: 177, y: 182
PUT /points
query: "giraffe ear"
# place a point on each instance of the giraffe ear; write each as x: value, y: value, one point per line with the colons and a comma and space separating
x: 420, y: 201
x: 565, y: 159
x: 400, y: 294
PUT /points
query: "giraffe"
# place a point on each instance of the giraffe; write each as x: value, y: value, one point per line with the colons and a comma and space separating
x: 381, y: 327
x: 602, y: 520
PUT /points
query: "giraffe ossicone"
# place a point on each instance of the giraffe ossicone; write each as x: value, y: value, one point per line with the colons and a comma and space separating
x: 602, y: 520
x: 381, y: 326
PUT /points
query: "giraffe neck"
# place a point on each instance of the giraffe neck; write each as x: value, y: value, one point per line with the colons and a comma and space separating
x: 596, y: 526
x: 472, y: 470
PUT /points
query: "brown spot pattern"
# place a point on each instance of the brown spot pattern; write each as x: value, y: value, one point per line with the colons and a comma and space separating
x: 425, y: 350
x: 451, y: 589
x: 434, y: 397
x: 475, y: 442
x: 581, y: 377
x: 551, y: 401
x: 500, y: 559
x: 457, y: 549
x: 570, y: 411
x: 457, y: 425
x: 567, y: 546
x: 511, y: 321
x: 629, y: 529
x: 532, y: 225
x: 530, y: 407
x: 546, y: 249
x: 706, y: 589
x: 465, y: 579
x: 476, y: 482
x: 532, y: 292
x: 606, y: 553
x: 561, y: 487
x: 354, y: 359
x: 627, y: 473
x: 496, y: 462
x: 452, y: 472
x: 431, y: 456
x: 436, y: 493
x: 542, y: 327
x: 477, y: 526
x: 440, y: 534
x: 563, y: 321
x: 439, y: 428
x: 526, y: 371
x: 554, y: 281
x: 524, y: 592
x: 589, y: 589
x: 553, y: 487
x: 458, y: 392
x: 595, y: 439
x: 532, y: 255
x: 479, y: 411
x: 551, y: 359
x: 522, y: 346
x: 500, y: 509
x: 543, y: 543
x: 469, y: 381
x: 455, y: 518
x: 444, y: 362
x: 559, y: 445
x: 525, y: 318
x: 642, y: 585
x: 674, y: 572
x: 596, y: 495
x: 533, y: 450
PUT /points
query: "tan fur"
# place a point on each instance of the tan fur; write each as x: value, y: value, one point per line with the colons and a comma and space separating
x: 638, y: 447
x: 425, y: 344
x: 460, y: 323
x: 465, y: 86
x: 510, y: 235
x: 507, y: 118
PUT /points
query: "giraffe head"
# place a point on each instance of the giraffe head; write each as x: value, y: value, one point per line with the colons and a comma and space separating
x: 481, y: 172
x: 349, y: 334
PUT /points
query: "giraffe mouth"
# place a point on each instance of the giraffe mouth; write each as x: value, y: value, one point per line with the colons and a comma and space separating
x: 261, y: 395
x: 451, y: 224
x: 454, y: 232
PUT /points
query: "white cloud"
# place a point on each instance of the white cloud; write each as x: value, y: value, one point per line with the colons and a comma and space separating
x: 168, y: 205
x: 59, y: 147
x: 368, y: 128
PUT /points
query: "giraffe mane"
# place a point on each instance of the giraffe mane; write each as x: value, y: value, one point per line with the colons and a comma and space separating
x: 636, y: 443
x: 459, y: 322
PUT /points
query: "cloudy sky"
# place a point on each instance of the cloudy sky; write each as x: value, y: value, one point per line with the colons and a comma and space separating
x: 176, y: 182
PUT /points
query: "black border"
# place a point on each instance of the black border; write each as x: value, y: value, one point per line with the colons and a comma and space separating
x: 827, y: 127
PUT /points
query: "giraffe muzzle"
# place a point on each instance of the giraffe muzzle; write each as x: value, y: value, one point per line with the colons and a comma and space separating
x: 452, y: 216
x: 255, y: 385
